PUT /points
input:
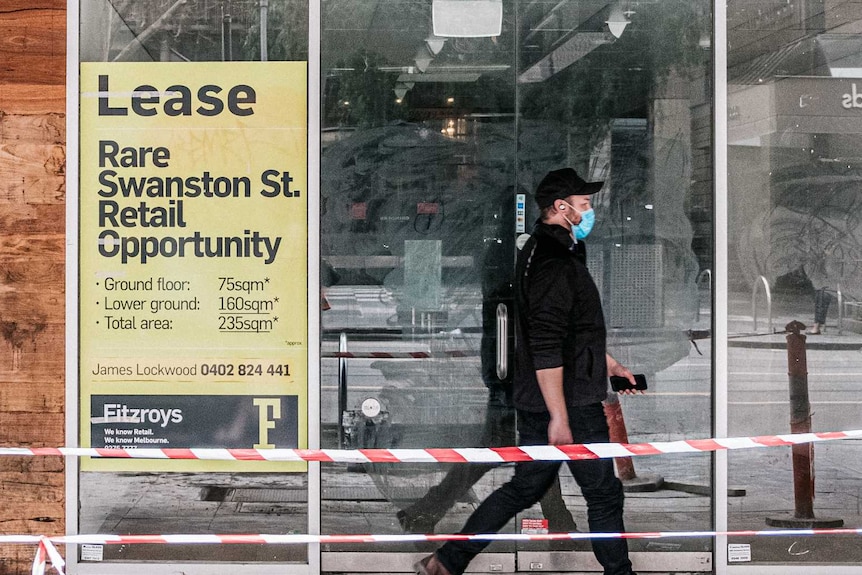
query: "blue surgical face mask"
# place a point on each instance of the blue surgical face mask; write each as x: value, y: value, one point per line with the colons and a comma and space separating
x: 588, y: 219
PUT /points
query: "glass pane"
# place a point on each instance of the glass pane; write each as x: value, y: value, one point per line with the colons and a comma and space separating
x: 419, y: 171
x: 794, y: 135
x: 417, y: 224
x: 624, y: 96
x: 192, y: 31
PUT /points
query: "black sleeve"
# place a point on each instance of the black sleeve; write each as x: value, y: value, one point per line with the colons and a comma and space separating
x: 549, y: 304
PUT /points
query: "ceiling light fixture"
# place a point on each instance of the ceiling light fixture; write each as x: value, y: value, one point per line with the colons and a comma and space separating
x: 617, y: 21
x: 467, y: 18
x: 423, y: 58
x: 435, y: 44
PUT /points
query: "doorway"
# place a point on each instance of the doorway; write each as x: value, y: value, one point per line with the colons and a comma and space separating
x: 436, y: 127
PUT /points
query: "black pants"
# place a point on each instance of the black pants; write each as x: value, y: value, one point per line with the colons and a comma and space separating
x: 499, y: 431
x: 600, y: 487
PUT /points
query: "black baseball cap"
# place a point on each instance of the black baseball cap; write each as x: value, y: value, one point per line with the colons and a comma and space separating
x: 562, y: 183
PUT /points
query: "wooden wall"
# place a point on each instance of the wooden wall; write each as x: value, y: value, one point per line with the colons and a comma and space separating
x: 32, y: 269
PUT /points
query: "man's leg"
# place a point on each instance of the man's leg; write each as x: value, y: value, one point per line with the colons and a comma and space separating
x: 498, y: 431
x: 822, y: 299
x: 422, y: 516
x: 554, y: 509
x: 601, y: 489
x: 527, y: 486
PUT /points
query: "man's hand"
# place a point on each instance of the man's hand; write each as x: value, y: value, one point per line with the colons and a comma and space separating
x: 559, y: 432
x: 551, y: 386
x: 618, y: 369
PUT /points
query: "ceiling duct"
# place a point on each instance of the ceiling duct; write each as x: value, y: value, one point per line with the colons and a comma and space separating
x: 441, y: 77
x: 576, y: 47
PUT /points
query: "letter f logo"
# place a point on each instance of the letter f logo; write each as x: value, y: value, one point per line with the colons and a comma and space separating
x: 268, y: 410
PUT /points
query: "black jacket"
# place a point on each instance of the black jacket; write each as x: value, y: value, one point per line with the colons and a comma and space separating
x: 560, y: 321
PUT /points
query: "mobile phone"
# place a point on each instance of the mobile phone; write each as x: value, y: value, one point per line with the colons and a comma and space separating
x: 621, y: 384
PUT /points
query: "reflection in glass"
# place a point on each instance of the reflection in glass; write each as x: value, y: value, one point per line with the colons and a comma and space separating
x: 193, y: 30
x: 633, y: 109
x: 793, y: 138
x: 417, y: 212
x: 423, y: 158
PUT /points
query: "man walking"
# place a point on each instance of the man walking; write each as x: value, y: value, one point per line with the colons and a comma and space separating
x: 560, y: 379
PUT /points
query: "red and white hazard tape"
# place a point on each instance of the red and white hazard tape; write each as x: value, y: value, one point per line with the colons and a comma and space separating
x: 443, y: 455
x: 302, y: 539
x: 400, y: 354
x: 46, y: 550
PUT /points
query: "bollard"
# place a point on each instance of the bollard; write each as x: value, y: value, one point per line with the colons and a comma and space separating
x: 342, y: 388
x: 800, y: 422
x: 618, y: 434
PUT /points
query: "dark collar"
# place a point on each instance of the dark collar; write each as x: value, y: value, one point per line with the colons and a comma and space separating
x: 560, y: 236
x: 559, y: 233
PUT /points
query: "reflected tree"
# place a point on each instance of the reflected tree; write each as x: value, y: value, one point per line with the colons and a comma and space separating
x: 192, y: 30
x: 814, y: 224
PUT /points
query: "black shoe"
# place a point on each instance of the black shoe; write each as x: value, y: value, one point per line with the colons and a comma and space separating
x: 420, y: 524
x: 430, y: 566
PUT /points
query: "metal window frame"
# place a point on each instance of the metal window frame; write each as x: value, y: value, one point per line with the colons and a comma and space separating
x: 720, y: 290
x: 720, y: 322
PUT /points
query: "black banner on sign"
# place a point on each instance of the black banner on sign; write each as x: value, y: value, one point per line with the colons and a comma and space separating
x: 182, y: 421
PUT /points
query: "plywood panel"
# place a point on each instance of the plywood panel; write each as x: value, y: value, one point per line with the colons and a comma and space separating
x: 32, y: 173
x: 17, y: 490
x: 26, y: 303
x: 43, y: 275
x: 41, y: 465
x: 21, y: 218
x: 33, y: 128
x: 32, y: 267
x: 36, y: 517
x: 20, y: 398
x: 31, y: 351
x: 32, y: 430
x: 33, y: 46
x: 9, y: 6
x: 23, y: 246
x: 32, y: 99
x: 14, y: 558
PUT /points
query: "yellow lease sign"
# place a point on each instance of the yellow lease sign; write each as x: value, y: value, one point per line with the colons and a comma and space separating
x: 192, y: 260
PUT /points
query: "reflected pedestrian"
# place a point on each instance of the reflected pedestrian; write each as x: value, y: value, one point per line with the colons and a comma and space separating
x: 560, y: 379
x: 822, y: 299
x: 423, y: 515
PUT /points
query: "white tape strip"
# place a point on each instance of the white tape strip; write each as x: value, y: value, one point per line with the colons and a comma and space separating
x: 479, y: 455
x: 544, y: 453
